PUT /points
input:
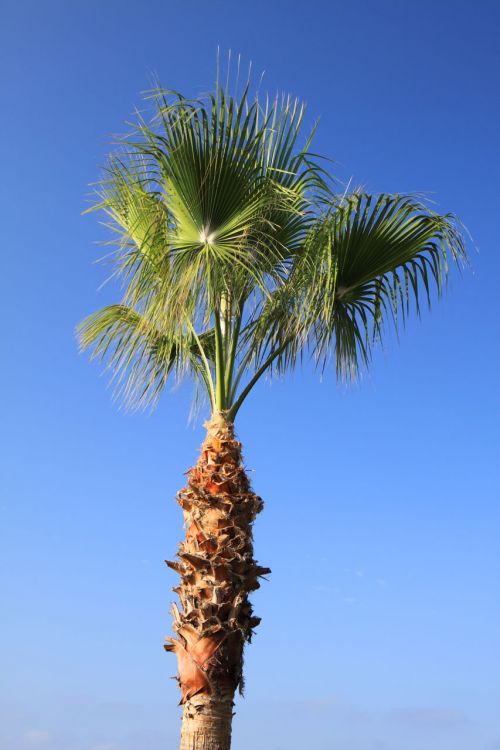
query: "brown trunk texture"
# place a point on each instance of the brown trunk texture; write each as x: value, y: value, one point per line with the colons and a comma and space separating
x: 217, y: 570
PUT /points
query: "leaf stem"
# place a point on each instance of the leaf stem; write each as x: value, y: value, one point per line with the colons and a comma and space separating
x: 220, y: 401
x: 232, y: 351
x: 208, y: 373
x: 237, y: 404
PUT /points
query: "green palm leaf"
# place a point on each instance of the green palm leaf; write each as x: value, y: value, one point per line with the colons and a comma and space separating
x: 140, y: 355
x: 237, y: 258
x: 369, y: 257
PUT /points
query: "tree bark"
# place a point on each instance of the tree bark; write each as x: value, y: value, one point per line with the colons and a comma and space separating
x: 217, y: 570
x: 206, y: 724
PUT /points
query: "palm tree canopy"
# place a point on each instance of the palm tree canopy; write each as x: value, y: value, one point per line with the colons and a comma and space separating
x: 237, y: 256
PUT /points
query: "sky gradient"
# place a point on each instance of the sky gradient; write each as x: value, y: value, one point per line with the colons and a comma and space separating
x: 381, y: 618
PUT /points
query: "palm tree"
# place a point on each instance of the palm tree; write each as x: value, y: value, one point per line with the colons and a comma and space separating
x: 238, y: 257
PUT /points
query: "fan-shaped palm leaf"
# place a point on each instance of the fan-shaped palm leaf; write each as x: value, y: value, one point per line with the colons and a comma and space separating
x: 236, y: 256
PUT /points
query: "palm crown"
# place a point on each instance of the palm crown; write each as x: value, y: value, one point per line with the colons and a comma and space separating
x: 237, y: 255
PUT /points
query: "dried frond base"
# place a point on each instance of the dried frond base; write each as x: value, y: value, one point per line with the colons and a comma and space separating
x: 217, y: 570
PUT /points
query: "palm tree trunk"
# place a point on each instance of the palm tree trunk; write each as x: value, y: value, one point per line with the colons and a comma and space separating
x: 217, y: 570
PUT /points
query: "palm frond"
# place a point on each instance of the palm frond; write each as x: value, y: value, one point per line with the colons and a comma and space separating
x: 231, y: 183
x: 140, y: 356
x: 370, y: 258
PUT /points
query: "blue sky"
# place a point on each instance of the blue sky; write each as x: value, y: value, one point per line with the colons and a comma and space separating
x: 381, y: 618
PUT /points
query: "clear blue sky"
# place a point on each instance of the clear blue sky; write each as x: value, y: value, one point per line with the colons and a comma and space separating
x: 381, y: 619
